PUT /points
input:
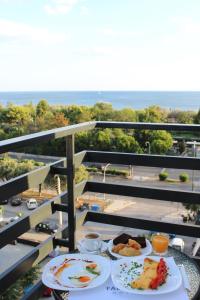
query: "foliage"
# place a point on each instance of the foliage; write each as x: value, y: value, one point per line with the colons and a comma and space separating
x: 107, y: 140
x: 18, y: 115
x: 163, y: 176
x: 42, y: 108
x: 10, y: 167
x: 197, y: 118
x: 92, y: 169
x: 178, y: 116
x: 103, y: 111
x: 182, y: 146
x: 20, y: 120
x: 184, y: 177
x: 161, y: 141
x: 30, y: 277
x: 192, y: 207
x: 81, y: 174
x: 153, y: 114
x: 15, y: 291
x: 117, y: 172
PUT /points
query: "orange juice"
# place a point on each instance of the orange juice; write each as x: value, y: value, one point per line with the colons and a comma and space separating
x: 160, y: 243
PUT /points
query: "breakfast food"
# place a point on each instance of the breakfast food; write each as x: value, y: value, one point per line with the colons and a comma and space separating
x: 80, y: 280
x: 93, y: 269
x: 154, y: 274
x: 123, y: 239
x: 79, y: 277
x: 132, y: 248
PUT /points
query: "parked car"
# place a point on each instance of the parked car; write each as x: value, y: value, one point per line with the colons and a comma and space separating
x: 3, y: 201
x: 46, y: 227
x: 31, y: 203
x: 15, y: 201
x: 83, y: 207
x: 11, y: 219
x: 178, y: 244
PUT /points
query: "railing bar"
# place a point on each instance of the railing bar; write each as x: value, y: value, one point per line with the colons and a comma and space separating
x: 174, y: 162
x: 144, y: 192
x: 186, y: 230
x: 26, y: 181
x: 149, y: 126
x: 32, y: 139
x: 15, y: 229
x: 62, y: 170
x: 36, y: 255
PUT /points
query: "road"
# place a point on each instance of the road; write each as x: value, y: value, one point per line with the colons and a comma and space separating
x: 133, y: 206
x: 148, y: 176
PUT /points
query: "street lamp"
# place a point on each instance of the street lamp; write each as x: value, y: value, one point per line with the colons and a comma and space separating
x: 147, y: 144
x: 104, y: 172
x: 104, y: 177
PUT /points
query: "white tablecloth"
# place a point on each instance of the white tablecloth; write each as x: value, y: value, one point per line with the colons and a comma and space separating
x: 109, y: 292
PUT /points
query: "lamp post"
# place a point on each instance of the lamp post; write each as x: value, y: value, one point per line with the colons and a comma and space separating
x: 104, y: 177
x: 147, y: 144
x: 104, y: 172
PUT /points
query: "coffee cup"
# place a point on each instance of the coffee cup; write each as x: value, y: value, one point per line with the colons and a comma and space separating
x: 92, y: 241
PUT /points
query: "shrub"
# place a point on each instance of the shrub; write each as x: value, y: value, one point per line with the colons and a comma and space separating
x: 184, y: 177
x: 92, y: 169
x: 117, y: 172
x: 163, y: 176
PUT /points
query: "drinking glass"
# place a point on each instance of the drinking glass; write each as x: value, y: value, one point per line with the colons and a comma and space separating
x: 160, y: 243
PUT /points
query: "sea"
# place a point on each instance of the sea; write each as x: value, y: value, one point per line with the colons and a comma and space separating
x: 179, y: 100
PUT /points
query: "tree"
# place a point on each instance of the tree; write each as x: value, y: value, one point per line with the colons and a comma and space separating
x: 152, y: 114
x: 77, y: 114
x: 42, y: 108
x: 103, y: 111
x: 125, y: 115
x: 185, y: 117
x: 15, y: 114
x: 161, y: 141
x: 197, y: 118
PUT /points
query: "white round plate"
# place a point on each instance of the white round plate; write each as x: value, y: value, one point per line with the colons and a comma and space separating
x: 83, y: 250
x: 144, y: 251
x: 122, y: 276
x: 77, y: 266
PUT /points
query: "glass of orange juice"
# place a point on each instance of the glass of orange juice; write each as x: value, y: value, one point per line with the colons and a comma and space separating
x: 160, y: 243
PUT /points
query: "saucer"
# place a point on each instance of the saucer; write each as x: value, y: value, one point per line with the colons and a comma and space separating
x: 83, y: 250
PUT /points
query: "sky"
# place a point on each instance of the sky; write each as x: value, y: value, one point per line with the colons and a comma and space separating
x: 99, y: 45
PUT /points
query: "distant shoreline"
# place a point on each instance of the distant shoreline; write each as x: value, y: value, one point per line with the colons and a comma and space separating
x: 172, y: 100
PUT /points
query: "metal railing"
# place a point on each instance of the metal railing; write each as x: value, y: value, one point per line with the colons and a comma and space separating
x: 65, y: 201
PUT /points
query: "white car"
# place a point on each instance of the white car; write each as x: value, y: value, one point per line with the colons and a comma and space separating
x: 178, y: 244
x: 31, y: 203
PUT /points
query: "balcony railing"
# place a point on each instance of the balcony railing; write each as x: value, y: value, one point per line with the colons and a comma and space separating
x: 66, y: 201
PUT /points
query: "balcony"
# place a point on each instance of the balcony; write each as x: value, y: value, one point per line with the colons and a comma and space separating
x: 65, y: 202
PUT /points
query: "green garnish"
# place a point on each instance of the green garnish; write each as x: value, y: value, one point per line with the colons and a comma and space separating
x: 91, y: 270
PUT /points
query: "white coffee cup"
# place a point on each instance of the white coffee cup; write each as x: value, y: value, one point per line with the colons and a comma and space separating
x: 92, y: 241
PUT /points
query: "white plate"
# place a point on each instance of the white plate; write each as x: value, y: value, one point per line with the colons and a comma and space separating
x: 76, y: 268
x: 144, y: 251
x: 121, y: 276
x: 83, y: 250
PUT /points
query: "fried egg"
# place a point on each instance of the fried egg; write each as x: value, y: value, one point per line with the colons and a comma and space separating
x: 80, y: 280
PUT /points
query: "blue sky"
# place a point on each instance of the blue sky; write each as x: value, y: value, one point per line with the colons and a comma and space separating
x: 99, y: 45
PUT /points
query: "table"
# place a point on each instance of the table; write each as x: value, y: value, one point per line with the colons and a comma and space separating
x: 191, y: 267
